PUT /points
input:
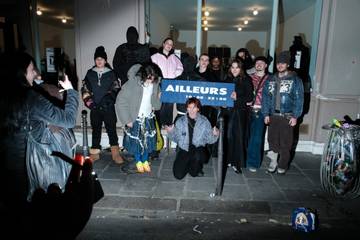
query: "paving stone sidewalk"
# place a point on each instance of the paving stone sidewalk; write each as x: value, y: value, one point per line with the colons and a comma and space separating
x: 258, y: 196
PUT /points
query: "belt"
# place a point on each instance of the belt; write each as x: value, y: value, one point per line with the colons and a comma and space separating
x: 278, y: 113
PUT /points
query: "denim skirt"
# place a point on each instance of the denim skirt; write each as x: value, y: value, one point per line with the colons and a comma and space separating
x: 142, y: 136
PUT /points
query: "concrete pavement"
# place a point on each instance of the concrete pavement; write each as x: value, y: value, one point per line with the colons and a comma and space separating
x: 253, y: 197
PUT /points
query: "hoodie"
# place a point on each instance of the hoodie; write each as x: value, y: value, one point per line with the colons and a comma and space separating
x: 129, y: 53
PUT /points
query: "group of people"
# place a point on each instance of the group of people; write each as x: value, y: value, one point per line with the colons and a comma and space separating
x: 130, y: 93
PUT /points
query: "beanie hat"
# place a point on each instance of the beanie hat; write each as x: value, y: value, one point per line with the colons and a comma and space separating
x: 284, y: 57
x: 100, y: 52
x: 262, y: 58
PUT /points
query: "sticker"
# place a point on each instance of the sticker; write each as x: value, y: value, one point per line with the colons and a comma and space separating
x: 286, y: 86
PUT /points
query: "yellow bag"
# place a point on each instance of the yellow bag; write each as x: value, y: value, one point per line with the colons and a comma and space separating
x: 159, y: 137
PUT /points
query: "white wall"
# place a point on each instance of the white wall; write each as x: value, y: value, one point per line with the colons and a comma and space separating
x: 159, y: 27
x: 254, y: 41
x: 103, y: 23
x: 301, y: 23
x: 343, y: 56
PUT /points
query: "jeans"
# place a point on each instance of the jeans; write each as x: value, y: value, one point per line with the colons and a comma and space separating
x: 256, y: 140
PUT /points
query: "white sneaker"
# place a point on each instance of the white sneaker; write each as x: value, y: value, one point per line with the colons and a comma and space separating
x: 281, y: 171
x: 252, y: 169
x: 273, y: 161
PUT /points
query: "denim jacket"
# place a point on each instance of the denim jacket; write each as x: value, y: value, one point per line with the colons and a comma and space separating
x: 203, y: 133
x: 291, y: 94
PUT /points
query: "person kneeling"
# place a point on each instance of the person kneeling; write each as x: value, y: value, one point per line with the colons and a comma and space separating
x: 191, y: 133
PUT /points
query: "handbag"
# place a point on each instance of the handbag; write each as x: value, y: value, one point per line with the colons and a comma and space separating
x: 159, y: 137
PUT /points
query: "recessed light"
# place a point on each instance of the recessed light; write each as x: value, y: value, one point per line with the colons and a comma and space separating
x: 207, y: 13
x: 205, y: 22
x: 255, y: 12
x: 246, y: 21
x: 39, y: 12
x: 64, y: 20
x: 206, y: 28
x: 239, y: 29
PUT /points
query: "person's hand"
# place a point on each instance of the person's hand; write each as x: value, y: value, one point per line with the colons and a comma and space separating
x: 233, y: 95
x: 130, y: 124
x: 267, y: 120
x: 292, y: 121
x: 89, y: 102
x: 52, y: 90
x: 216, y: 131
x: 169, y: 128
x: 66, y: 84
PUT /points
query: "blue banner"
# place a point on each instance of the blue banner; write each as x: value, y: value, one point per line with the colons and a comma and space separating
x: 209, y: 93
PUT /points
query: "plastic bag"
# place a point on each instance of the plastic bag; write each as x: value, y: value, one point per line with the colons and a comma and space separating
x: 303, y: 219
x: 159, y: 137
x: 340, y: 161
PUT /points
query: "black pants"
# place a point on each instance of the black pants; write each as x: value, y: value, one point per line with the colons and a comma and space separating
x: 280, y: 138
x: 189, y: 162
x: 97, y: 117
x: 166, y: 114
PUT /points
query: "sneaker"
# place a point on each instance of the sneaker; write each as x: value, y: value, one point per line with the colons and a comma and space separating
x: 236, y: 170
x: 140, y: 167
x: 252, y: 169
x: 272, y: 166
x: 146, y: 166
x: 281, y: 171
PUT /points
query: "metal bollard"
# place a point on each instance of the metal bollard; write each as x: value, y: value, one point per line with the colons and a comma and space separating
x: 219, y: 183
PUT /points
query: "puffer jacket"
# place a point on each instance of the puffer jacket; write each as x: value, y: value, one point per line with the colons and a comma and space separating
x: 171, y: 66
x: 203, y: 133
x: 291, y: 95
x: 100, y: 87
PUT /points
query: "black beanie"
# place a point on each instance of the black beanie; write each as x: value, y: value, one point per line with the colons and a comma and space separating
x: 100, y: 52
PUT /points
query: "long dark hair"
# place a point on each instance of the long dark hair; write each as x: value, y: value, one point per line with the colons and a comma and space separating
x: 147, y: 70
x: 248, y: 62
x: 240, y: 65
x: 161, y: 48
x: 13, y: 95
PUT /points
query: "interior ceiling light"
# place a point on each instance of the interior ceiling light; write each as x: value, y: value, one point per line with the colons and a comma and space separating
x: 239, y: 28
x: 207, y: 13
x: 39, y: 12
x: 205, y: 22
x: 255, y: 12
x: 64, y: 20
x: 246, y: 21
x: 206, y: 28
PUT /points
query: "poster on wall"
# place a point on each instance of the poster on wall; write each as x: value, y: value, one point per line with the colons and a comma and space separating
x: 50, y: 57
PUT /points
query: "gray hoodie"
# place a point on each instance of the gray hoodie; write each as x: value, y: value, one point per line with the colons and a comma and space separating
x: 128, y: 100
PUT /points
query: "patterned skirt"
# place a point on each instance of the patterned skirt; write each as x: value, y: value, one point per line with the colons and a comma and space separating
x: 142, y: 136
